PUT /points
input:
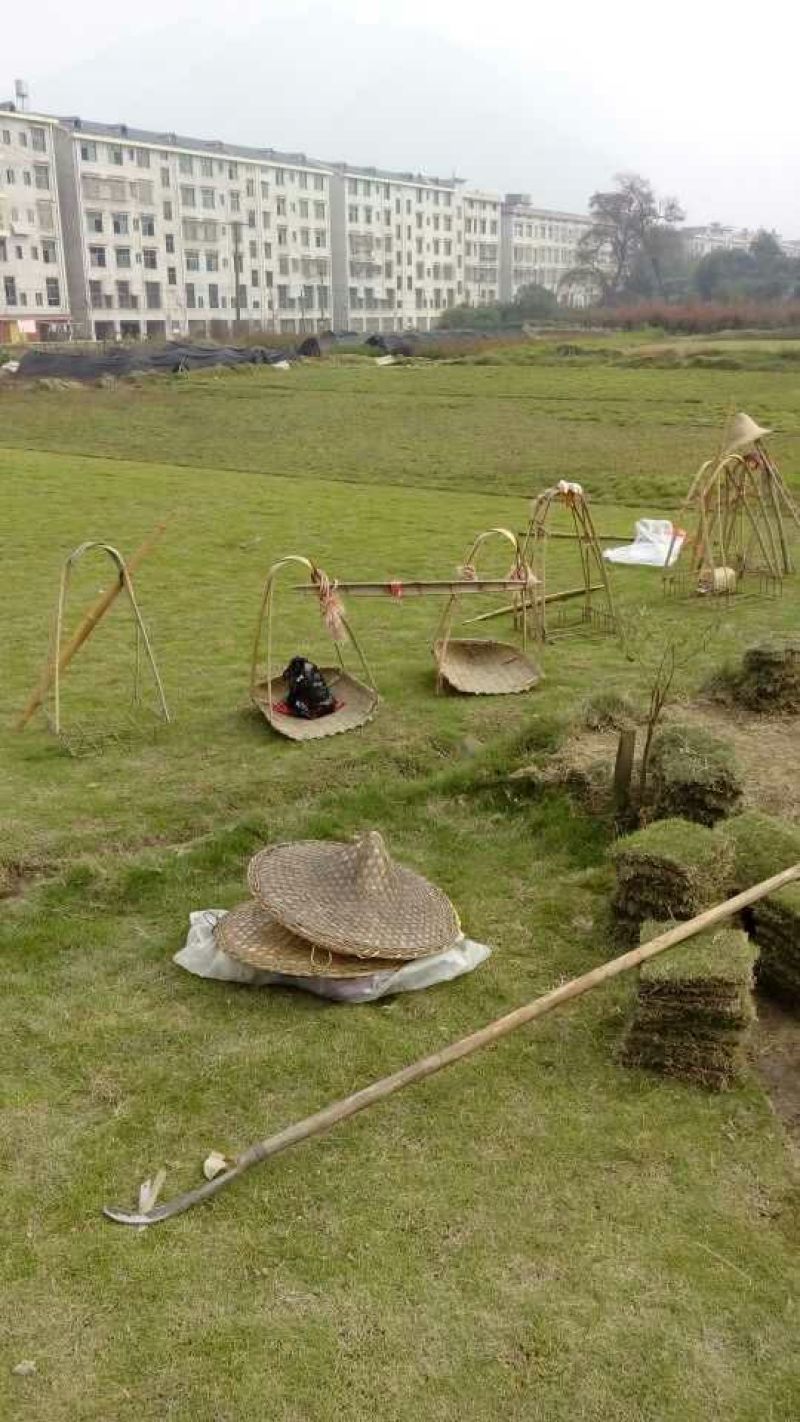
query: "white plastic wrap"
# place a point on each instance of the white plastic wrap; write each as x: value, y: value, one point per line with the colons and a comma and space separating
x: 201, y: 956
x: 651, y: 545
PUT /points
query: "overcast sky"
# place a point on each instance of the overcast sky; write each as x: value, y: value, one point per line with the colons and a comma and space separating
x: 517, y: 95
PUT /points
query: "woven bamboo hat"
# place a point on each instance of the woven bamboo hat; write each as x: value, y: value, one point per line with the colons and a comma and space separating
x: 743, y: 431
x: 252, y: 936
x: 353, y: 899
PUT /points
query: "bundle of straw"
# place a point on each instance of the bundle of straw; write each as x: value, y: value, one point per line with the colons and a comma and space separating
x: 770, y: 676
x: 694, y: 1008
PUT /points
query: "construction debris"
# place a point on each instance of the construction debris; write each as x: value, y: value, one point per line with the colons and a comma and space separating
x: 694, y: 1009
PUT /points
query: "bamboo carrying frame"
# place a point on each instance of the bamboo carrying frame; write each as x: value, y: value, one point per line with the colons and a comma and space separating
x: 55, y: 665
x: 484, y: 667
x: 735, y: 512
x: 359, y: 699
x: 60, y: 656
x: 338, y: 1111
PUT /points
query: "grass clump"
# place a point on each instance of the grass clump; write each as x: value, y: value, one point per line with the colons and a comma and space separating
x: 694, y: 774
x: 610, y: 711
x: 672, y: 869
x: 694, y: 1008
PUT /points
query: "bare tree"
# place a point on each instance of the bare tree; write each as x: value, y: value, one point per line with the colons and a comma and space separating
x: 628, y: 230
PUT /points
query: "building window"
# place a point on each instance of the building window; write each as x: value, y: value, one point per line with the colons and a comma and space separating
x: 352, y: 213
x: 115, y: 156
x: 207, y: 197
x: 282, y: 237
x: 124, y: 298
x: 53, y: 293
x: 26, y: 177
x: 167, y: 209
x: 49, y: 253
x: 143, y: 158
x: 10, y: 286
x: 192, y: 261
x: 165, y: 177
x: 188, y: 197
x: 185, y: 164
x: 283, y: 297
x: 280, y: 178
x: 319, y: 182
x: 254, y: 277
x: 89, y: 152
x: 190, y: 296
x: 234, y: 201
x: 149, y: 258
x: 95, y: 293
x: 169, y: 243
x: 38, y: 140
x: 152, y: 295
x: 319, y: 238
x: 94, y: 221
x: 123, y: 256
x: 172, y: 276
x: 212, y: 262
x: 97, y: 256
x: 119, y: 222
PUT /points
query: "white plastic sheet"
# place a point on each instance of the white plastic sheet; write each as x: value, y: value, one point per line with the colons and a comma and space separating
x: 651, y: 545
x: 201, y: 956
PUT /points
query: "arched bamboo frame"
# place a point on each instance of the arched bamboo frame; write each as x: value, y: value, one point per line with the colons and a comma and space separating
x: 324, y: 587
x: 520, y: 572
x: 592, y: 562
x: 142, y: 638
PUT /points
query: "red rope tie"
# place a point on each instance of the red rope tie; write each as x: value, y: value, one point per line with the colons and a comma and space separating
x: 395, y: 589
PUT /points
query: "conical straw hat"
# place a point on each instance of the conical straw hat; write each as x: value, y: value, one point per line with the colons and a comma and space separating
x: 742, y: 431
x: 252, y: 936
x: 353, y: 899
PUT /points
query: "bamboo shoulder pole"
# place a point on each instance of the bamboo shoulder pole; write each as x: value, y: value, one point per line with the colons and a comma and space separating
x: 85, y: 628
x: 427, y: 1066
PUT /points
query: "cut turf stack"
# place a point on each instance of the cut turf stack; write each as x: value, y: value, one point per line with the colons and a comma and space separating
x: 695, y: 775
x: 770, y: 676
x: 672, y: 869
x: 694, y: 1008
x: 763, y: 846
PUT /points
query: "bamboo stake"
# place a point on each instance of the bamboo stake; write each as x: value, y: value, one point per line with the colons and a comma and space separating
x: 85, y: 628
x: 418, y: 588
x: 535, y: 601
x: 427, y: 1066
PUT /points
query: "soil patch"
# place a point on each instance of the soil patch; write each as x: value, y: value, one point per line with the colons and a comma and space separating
x: 776, y: 1056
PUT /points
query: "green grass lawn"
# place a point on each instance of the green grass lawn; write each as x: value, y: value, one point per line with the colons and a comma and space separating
x: 537, y: 1233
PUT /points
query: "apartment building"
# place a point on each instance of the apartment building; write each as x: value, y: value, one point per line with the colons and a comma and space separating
x: 115, y: 232
x: 33, y: 289
x: 482, y: 247
x: 398, y: 258
x: 541, y: 246
x: 169, y: 235
x: 715, y: 237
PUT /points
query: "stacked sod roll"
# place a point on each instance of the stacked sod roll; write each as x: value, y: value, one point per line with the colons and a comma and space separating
x: 769, y: 679
x: 694, y: 775
x: 763, y: 846
x: 672, y: 869
x: 694, y: 1008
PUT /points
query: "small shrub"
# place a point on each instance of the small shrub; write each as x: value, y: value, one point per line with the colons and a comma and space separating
x: 610, y: 711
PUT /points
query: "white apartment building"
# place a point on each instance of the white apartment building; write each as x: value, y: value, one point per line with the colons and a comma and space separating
x: 717, y: 238
x: 482, y: 247
x: 168, y: 235
x: 398, y: 259
x: 33, y: 287
x: 541, y: 246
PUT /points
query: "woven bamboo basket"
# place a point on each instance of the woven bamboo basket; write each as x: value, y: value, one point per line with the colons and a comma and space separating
x: 357, y: 699
x: 482, y: 666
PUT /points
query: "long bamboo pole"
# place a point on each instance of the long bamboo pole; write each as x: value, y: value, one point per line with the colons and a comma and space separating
x: 427, y: 1066
x: 535, y: 601
x: 85, y: 628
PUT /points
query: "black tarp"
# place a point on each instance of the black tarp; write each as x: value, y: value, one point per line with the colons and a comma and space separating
x: 126, y: 360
